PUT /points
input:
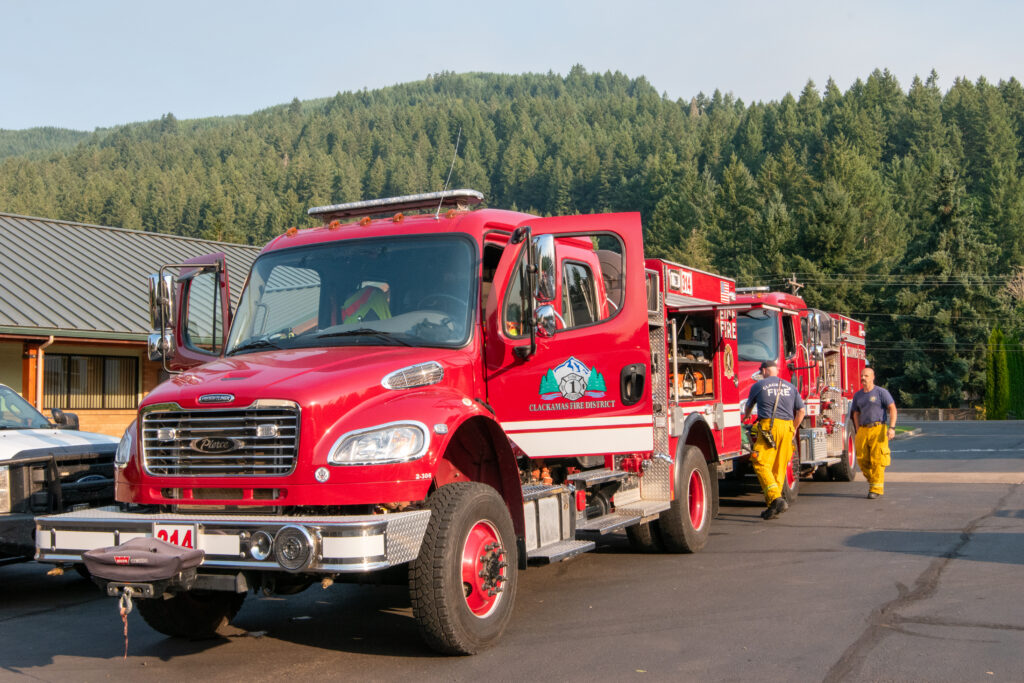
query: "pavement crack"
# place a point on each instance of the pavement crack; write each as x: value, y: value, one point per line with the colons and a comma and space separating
x: 953, y: 623
x: 886, y: 618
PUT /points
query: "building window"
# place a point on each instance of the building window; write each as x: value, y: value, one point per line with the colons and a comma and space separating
x: 90, y: 382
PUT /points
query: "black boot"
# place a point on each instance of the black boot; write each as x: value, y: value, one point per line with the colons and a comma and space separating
x: 777, y: 507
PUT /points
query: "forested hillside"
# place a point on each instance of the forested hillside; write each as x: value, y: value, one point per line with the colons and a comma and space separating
x: 38, y: 142
x: 900, y: 206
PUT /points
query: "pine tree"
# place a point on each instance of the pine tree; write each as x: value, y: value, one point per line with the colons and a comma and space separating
x: 548, y: 383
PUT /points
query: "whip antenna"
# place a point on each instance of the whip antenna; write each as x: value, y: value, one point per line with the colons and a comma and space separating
x: 455, y: 155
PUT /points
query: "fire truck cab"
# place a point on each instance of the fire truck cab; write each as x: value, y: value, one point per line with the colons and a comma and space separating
x: 442, y: 398
x: 820, y: 353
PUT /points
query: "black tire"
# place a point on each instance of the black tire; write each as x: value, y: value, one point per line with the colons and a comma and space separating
x: 455, y: 611
x: 791, y: 482
x: 821, y: 473
x: 845, y: 469
x: 645, y: 538
x: 686, y: 524
x: 194, y: 614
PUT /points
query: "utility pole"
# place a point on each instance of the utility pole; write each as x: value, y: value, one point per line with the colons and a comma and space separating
x: 793, y: 284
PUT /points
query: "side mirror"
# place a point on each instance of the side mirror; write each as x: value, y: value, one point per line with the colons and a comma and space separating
x: 544, y: 259
x: 161, y: 301
x: 64, y: 420
x: 160, y: 345
x: 819, y: 354
x: 547, y: 320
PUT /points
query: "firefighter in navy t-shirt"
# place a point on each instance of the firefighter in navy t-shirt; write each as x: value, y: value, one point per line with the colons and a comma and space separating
x: 770, y: 463
x: 874, y: 417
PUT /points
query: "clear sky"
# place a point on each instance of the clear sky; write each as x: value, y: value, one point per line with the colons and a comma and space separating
x: 95, y: 63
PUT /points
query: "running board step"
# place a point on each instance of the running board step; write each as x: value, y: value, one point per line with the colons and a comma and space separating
x: 599, y: 476
x: 606, y: 524
x: 559, y: 551
x: 536, y: 491
x: 646, y: 509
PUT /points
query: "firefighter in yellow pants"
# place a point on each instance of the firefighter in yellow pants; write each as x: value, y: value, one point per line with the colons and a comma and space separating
x: 872, y: 447
x: 770, y: 464
x: 874, y: 417
x: 773, y: 396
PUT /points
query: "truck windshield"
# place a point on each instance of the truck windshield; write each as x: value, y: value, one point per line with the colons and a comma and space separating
x: 758, y: 332
x: 17, y: 413
x: 404, y: 291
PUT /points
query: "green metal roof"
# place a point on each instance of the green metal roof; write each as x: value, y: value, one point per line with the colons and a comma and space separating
x: 90, y: 281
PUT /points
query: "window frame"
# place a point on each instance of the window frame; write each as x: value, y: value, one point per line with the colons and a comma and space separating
x: 65, y: 381
x: 567, y: 308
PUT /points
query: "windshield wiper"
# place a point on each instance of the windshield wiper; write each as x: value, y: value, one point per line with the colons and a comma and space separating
x: 365, y: 332
x: 256, y: 344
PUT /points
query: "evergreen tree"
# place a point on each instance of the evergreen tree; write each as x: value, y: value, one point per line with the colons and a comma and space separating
x: 997, y: 381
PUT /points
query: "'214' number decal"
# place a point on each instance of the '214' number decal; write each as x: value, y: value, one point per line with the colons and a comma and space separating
x: 177, y: 536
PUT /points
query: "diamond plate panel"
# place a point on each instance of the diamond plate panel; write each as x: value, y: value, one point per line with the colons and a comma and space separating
x: 656, y: 484
x: 405, y: 535
x: 659, y: 388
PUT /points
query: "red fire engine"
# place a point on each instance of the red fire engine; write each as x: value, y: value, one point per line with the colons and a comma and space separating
x: 443, y: 398
x: 822, y: 354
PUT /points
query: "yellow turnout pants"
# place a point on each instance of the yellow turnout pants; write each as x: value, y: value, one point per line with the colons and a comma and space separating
x: 873, y: 455
x: 770, y: 463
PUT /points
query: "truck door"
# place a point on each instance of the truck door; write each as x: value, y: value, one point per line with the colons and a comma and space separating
x: 584, y: 389
x: 203, y: 311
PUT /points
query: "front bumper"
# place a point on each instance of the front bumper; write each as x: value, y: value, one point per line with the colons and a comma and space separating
x: 351, y: 543
x: 16, y: 535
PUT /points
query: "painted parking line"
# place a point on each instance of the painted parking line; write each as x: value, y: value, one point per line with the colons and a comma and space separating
x: 954, y: 477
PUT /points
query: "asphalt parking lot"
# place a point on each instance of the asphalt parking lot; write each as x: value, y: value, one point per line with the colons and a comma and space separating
x: 922, y: 584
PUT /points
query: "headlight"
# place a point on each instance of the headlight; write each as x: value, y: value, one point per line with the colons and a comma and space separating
x: 5, y: 489
x: 389, y: 443
x: 124, y: 448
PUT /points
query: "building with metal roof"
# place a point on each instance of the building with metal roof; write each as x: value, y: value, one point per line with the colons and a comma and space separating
x: 74, y: 311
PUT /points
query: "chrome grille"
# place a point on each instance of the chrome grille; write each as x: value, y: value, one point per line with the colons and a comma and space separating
x: 239, y: 450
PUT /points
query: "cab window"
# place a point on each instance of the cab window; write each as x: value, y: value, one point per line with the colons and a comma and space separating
x: 579, y: 297
x: 514, y: 312
x: 203, y: 324
x: 589, y: 288
x: 789, y: 335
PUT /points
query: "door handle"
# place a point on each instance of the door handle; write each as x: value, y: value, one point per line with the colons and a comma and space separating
x: 632, y: 380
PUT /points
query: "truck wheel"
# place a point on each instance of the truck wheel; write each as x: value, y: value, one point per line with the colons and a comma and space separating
x: 194, y: 614
x: 645, y: 538
x: 791, y: 484
x: 845, y: 469
x: 686, y: 524
x: 463, y: 584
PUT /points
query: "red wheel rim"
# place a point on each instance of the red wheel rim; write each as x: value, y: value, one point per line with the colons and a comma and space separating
x: 789, y: 474
x: 484, y: 569
x: 697, y: 499
x: 850, y: 455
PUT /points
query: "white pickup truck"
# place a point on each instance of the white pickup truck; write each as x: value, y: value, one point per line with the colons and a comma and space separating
x: 46, y: 468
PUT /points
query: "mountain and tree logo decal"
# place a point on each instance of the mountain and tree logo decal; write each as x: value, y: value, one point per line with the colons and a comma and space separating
x: 572, y: 380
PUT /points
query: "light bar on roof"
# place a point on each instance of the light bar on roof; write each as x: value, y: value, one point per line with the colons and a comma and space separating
x: 428, y: 200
